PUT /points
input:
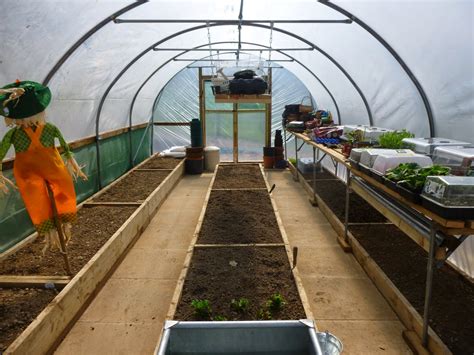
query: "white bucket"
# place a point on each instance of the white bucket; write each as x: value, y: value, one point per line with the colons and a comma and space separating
x: 211, y: 157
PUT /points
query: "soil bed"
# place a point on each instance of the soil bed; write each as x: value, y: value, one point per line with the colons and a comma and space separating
x: 404, y: 262
x: 257, y: 274
x: 239, y: 176
x: 95, y: 225
x: 135, y: 187
x: 234, y: 217
x: 18, y: 308
x: 334, y: 194
x: 161, y: 163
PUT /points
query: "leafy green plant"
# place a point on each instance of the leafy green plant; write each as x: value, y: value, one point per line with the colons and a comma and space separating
x: 240, y: 305
x: 264, y: 314
x: 202, y: 309
x: 393, y: 140
x: 219, y: 318
x: 412, y: 176
x: 276, y: 302
x: 355, y: 136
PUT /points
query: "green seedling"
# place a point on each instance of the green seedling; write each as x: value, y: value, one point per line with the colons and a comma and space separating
x: 276, y: 302
x: 264, y: 314
x: 202, y: 309
x: 393, y: 140
x: 240, y: 305
x: 412, y: 176
x: 219, y: 318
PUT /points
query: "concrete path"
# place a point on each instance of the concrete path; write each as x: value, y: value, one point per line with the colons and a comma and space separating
x: 127, y: 315
x: 343, y: 299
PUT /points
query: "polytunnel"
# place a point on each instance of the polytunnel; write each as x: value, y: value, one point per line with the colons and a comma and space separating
x: 193, y: 232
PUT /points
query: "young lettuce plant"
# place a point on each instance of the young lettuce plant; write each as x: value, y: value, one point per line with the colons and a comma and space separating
x: 240, y: 306
x: 393, y: 140
x: 276, y: 302
x: 202, y: 309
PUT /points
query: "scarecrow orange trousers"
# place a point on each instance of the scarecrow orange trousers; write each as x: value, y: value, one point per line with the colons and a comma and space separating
x: 32, y: 169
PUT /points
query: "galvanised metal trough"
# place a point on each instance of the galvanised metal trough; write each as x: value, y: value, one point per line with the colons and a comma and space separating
x: 288, y: 337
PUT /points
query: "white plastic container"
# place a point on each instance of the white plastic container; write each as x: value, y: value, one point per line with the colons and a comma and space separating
x: 459, y: 159
x: 383, y: 162
x: 211, y: 157
x: 428, y: 145
x: 368, y: 156
x: 371, y: 133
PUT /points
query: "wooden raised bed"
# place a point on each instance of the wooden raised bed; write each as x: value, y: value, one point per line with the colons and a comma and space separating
x: 48, y: 328
x: 246, y: 264
x: 407, y: 313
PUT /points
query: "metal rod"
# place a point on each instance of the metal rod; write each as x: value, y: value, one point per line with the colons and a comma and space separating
x: 228, y: 22
x: 284, y: 140
x: 314, y: 175
x: 239, y: 27
x: 224, y: 60
x: 158, y: 49
x: 429, y: 285
x: 394, y: 53
x: 59, y: 228
x: 212, y: 66
x: 346, y: 210
x: 296, y: 177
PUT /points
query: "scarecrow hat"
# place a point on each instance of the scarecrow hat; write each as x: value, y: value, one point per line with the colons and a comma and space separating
x: 23, y: 99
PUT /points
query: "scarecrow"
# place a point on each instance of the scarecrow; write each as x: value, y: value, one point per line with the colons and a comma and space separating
x: 44, y: 181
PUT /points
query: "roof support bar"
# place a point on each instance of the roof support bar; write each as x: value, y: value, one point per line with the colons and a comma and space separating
x: 233, y: 49
x: 218, y: 43
x: 239, y: 27
x: 225, y: 60
x: 141, y: 54
x: 394, y: 53
x: 228, y: 22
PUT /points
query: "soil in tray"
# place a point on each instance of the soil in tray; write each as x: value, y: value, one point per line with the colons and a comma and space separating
x: 239, y: 217
x: 404, y: 262
x: 95, y: 225
x: 239, y: 176
x: 334, y: 194
x: 161, y: 163
x: 137, y: 186
x: 18, y: 308
x: 255, y: 273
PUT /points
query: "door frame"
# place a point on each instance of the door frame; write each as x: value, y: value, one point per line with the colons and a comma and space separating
x: 235, y: 115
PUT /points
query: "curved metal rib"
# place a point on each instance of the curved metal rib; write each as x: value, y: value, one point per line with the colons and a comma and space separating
x: 394, y: 53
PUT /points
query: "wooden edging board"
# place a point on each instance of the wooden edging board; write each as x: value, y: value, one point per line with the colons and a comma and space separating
x: 51, y: 325
x: 289, y: 253
x: 402, y: 307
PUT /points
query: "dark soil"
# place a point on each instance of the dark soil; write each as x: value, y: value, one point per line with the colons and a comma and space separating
x: 239, y: 176
x: 94, y: 226
x: 234, y: 217
x: 18, y: 308
x: 334, y: 194
x: 136, y: 187
x: 257, y: 275
x: 161, y: 163
x: 404, y: 262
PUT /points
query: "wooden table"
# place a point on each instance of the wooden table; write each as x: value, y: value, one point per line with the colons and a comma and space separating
x: 394, y: 207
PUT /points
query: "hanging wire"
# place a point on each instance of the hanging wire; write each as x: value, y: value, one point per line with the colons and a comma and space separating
x: 210, y: 47
x: 270, y: 45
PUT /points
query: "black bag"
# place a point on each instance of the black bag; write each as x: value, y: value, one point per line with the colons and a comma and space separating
x: 256, y: 86
x: 292, y: 109
x: 244, y: 74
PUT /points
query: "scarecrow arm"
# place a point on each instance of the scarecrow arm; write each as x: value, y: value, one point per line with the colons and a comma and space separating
x: 74, y: 168
x: 4, y: 146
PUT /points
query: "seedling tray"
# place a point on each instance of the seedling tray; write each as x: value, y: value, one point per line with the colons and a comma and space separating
x: 448, y: 212
x: 408, y: 194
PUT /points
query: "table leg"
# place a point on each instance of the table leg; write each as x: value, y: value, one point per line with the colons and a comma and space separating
x: 346, y: 211
x: 314, y: 202
x: 429, y: 285
x: 296, y: 158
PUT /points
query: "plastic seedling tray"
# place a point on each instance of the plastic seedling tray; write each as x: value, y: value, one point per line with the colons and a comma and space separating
x: 448, y: 212
x: 354, y: 164
x: 365, y: 169
x: 392, y: 185
x: 376, y: 175
x: 409, y: 194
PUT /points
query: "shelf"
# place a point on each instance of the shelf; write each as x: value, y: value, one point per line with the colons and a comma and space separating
x: 243, y: 99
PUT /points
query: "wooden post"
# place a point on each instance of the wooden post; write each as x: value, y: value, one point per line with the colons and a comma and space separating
x: 57, y: 222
